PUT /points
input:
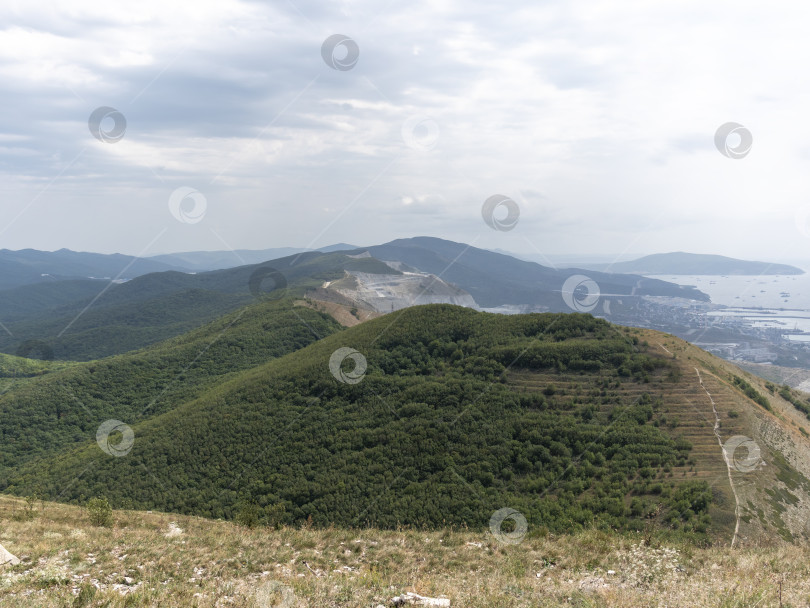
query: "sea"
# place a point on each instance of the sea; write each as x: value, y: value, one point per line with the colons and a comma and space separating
x: 781, y: 301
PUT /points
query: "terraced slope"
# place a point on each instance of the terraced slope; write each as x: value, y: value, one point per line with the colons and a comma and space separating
x: 764, y: 467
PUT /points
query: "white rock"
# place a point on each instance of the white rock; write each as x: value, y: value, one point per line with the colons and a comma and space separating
x: 7, y: 558
x: 419, y: 600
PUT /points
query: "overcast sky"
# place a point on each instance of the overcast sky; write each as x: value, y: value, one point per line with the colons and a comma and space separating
x: 598, y: 119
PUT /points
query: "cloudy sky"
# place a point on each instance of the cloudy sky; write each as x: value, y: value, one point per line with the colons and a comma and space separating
x: 244, y: 128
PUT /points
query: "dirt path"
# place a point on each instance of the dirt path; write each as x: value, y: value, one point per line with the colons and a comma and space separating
x: 725, y: 457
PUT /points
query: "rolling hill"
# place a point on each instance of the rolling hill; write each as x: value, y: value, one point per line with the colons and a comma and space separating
x: 83, y: 320
x: 571, y: 421
x: 51, y: 413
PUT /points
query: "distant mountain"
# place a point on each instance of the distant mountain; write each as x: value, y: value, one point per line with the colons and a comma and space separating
x: 697, y: 264
x: 80, y: 320
x: 496, y: 279
x: 202, y: 261
x: 88, y: 319
x: 29, y: 266
x: 337, y: 247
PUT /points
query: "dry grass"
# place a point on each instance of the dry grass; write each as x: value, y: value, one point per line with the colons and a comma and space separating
x: 156, y: 559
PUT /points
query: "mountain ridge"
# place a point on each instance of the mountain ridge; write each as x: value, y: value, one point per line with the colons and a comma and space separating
x: 85, y: 319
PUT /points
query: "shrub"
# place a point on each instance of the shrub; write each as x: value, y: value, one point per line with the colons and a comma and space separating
x: 100, y: 512
x: 247, y: 514
x: 28, y: 512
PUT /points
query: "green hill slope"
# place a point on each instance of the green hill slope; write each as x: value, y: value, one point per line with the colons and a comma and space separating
x: 454, y: 415
x: 16, y: 371
x: 436, y: 433
x: 66, y: 406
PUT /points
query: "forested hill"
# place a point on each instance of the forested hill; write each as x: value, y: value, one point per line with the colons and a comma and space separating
x: 64, y: 404
x: 452, y: 415
x: 83, y: 320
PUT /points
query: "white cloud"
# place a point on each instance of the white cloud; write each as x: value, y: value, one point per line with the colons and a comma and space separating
x: 598, y: 118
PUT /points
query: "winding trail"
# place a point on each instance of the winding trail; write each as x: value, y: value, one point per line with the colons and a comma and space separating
x: 665, y: 348
x: 725, y: 457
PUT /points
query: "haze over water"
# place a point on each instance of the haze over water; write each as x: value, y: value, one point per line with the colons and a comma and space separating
x: 751, y: 291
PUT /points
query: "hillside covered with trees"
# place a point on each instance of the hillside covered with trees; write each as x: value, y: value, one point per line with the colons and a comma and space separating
x: 434, y: 434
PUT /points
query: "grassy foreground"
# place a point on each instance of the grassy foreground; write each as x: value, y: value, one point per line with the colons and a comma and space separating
x: 156, y: 559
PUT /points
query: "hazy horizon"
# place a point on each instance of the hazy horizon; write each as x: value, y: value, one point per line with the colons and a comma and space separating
x: 548, y: 259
